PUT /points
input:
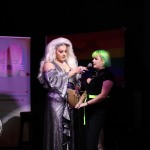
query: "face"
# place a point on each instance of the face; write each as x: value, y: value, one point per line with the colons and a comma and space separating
x: 98, y: 62
x: 61, y: 53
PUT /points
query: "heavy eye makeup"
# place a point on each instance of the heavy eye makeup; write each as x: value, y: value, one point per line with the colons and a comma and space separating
x: 62, y: 51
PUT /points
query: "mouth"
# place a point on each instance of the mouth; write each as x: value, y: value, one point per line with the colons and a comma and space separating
x: 94, y: 65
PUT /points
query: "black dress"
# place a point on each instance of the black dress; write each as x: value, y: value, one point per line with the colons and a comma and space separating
x: 96, y: 114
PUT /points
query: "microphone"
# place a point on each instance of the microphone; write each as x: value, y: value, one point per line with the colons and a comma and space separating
x: 89, y: 65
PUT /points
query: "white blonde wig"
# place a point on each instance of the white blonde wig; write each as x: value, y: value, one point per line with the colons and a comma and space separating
x: 50, y: 53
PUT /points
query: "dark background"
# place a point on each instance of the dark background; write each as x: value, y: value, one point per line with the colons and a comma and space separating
x: 41, y: 18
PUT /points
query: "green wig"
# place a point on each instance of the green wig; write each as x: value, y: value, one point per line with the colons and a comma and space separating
x: 105, y: 55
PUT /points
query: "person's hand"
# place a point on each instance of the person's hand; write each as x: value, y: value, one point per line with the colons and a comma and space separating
x: 80, y: 105
x: 78, y: 70
x: 81, y: 69
x: 83, y: 104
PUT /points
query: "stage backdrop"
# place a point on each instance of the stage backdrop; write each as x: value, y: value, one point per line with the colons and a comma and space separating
x: 14, y: 86
x: 112, y: 40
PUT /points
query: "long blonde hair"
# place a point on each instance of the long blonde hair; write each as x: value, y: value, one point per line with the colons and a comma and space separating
x: 50, y: 54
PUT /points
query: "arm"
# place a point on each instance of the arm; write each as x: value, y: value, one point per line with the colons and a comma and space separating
x: 48, y: 66
x: 81, y: 100
x: 55, y: 80
x: 79, y: 69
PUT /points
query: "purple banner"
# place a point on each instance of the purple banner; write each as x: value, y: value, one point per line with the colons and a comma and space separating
x: 14, y: 86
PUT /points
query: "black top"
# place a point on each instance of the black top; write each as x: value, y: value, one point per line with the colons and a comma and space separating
x: 95, y: 87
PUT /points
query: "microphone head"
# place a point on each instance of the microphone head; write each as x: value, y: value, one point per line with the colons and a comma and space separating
x: 89, y: 65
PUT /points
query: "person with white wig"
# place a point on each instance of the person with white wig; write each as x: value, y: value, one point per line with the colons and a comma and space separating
x: 59, y: 71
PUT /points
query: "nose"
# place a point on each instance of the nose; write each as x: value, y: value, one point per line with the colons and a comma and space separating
x: 64, y: 54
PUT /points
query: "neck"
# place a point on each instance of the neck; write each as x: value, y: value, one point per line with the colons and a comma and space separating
x: 63, y: 65
x: 60, y: 62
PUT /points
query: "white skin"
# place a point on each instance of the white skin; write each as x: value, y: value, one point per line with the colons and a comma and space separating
x: 61, y: 55
x: 98, y: 64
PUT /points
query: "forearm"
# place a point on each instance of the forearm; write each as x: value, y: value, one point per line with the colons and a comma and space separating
x: 78, y: 70
x: 83, y: 97
x: 97, y: 99
x: 72, y: 73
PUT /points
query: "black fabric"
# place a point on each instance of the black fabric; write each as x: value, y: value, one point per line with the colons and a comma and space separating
x: 97, y: 114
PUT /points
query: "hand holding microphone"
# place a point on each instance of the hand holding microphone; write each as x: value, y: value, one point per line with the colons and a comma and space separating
x: 83, y: 69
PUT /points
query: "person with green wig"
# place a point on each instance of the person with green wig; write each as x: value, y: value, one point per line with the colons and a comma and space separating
x: 97, y: 97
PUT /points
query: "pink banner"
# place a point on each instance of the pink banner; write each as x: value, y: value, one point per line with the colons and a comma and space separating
x: 14, y: 86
